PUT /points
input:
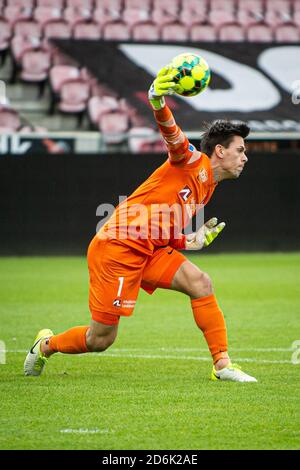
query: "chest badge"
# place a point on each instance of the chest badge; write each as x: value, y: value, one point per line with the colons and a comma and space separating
x: 185, y: 193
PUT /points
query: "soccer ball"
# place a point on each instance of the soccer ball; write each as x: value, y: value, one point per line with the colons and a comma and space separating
x: 193, y: 74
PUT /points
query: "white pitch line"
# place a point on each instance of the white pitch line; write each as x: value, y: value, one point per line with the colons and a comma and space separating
x: 165, y: 356
x: 176, y: 350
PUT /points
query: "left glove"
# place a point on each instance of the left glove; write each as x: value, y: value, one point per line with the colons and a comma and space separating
x: 205, y: 235
x: 163, y: 85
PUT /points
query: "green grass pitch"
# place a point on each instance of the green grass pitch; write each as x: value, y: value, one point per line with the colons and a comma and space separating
x: 151, y: 389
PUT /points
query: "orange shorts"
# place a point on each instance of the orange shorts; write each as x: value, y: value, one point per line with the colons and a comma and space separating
x: 117, y: 272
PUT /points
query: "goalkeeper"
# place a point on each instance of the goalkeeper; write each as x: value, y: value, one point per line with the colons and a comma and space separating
x: 133, y: 251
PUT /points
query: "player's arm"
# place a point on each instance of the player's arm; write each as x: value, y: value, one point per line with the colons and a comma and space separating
x: 200, y: 239
x: 176, y: 141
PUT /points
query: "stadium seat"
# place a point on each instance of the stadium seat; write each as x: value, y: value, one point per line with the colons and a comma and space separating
x: 250, y: 12
x: 28, y: 28
x: 147, y: 31
x: 86, y: 30
x: 57, y: 29
x: 113, y: 126
x: 193, y: 12
x: 219, y: 17
x: 206, y: 32
x: 106, y: 15
x: 75, y: 14
x: 117, y: 30
x: 132, y: 16
x: 259, y: 33
x: 146, y: 4
x: 14, y: 13
x: 59, y: 74
x: 141, y: 139
x: 100, y: 105
x: 174, y: 32
x: 110, y: 4
x: 20, y: 44
x: 231, y: 32
x: 74, y: 96
x: 287, y: 33
x: 44, y: 14
x: 9, y: 120
x: 165, y: 11
x: 35, y: 65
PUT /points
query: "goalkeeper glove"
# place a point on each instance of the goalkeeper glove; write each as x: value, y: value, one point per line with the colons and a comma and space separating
x: 205, y: 235
x: 162, y: 85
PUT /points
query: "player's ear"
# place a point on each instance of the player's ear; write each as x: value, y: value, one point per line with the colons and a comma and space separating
x: 219, y: 149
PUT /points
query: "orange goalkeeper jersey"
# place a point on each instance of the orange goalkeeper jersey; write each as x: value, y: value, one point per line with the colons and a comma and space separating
x: 155, y: 214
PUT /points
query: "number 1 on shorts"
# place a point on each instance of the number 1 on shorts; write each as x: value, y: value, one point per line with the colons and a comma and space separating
x: 121, y: 280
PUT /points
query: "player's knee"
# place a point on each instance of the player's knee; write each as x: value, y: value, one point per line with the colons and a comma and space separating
x: 200, y: 285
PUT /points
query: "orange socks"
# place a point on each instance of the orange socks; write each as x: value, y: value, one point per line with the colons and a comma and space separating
x: 72, y: 341
x: 210, y: 320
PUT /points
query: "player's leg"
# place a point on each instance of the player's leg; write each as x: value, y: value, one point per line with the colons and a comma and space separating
x: 169, y: 269
x: 115, y: 276
x: 197, y: 284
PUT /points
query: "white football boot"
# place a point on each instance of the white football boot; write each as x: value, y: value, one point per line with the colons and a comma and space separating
x: 233, y: 373
x: 35, y: 361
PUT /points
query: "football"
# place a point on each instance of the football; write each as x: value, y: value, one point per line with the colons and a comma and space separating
x: 193, y: 74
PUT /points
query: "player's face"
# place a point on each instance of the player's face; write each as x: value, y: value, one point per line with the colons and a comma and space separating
x: 234, y: 157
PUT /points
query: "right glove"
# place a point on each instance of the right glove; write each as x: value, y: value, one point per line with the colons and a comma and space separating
x: 205, y: 235
x: 162, y: 85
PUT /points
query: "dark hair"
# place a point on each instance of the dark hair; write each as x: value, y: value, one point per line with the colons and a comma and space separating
x: 222, y: 132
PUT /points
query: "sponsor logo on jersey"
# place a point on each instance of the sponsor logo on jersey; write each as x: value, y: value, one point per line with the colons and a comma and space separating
x: 185, y: 193
x: 203, y: 175
x: 117, y: 303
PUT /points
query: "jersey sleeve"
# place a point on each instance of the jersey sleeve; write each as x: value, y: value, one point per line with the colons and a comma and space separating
x: 177, y: 142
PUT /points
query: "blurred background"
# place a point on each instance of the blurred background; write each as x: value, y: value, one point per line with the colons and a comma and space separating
x: 76, y: 130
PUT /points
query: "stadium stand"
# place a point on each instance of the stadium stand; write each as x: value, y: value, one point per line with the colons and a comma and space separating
x: 28, y: 26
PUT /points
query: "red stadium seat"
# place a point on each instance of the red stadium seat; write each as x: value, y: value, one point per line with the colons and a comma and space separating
x: 232, y: 32
x: 20, y: 44
x: 141, y: 139
x: 110, y: 4
x: 146, y: 4
x: 147, y: 31
x: 9, y: 120
x: 98, y: 106
x: 259, y: 33
x: 220, y: 17
x: 86, y: 30
x: 288, y: 32
x: 44, y: 14
x: 74, y: 95
x: 35, y: 66
x: 191, y: 14
x: 174, y: 32
x: 21, y: 3
x: 28, y: 28
x: 114, y: 126
x: 227, y: 5
x: 250, y: 12
x: 199, y: 32
x: 132, y: 16
x: 59, y: 74
x: 117, y: 30
x: 106, y: 15
x: 75, y: 14
x: 57, y: 29
x: 14, y: 13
